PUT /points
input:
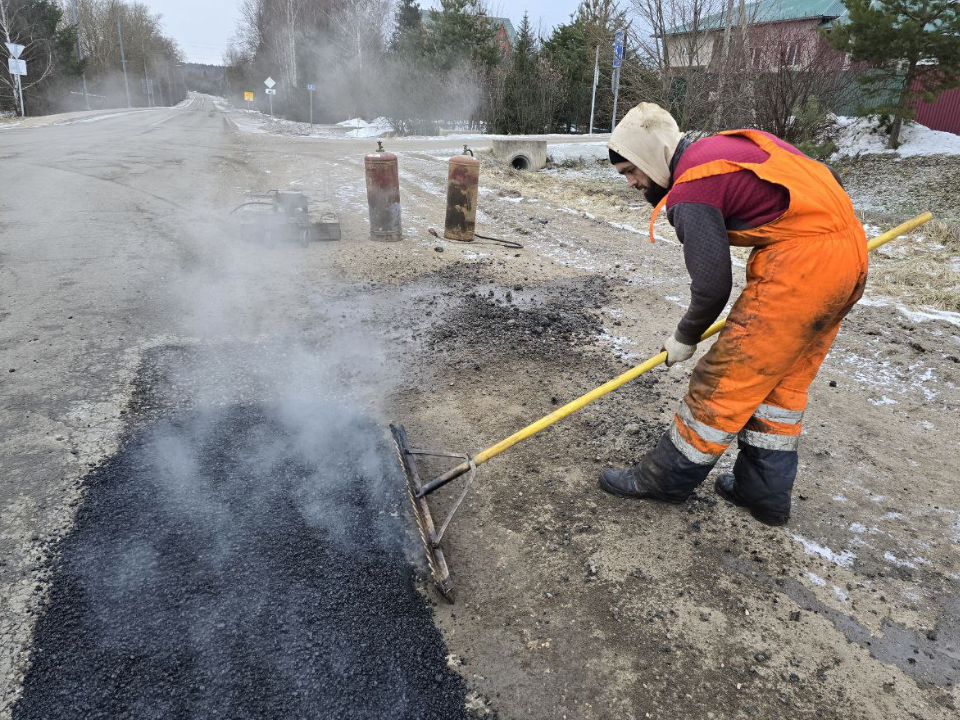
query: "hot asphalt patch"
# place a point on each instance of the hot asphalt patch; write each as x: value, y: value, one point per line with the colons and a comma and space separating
x: 221, y: 568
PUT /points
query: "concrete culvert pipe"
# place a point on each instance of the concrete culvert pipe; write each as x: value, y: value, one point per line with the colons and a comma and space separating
x: 520, y: 153
x: 520, y: 162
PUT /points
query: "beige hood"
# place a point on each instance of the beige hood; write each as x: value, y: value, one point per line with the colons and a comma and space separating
x: 648, y: 136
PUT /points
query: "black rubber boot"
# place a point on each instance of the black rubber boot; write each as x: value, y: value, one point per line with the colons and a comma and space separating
x: 726, y: 487
x: 631, y: 483
x: 664, y: 474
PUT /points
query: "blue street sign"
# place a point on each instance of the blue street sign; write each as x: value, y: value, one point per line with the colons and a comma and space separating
x: 311, y: 88
x: 618, y: 49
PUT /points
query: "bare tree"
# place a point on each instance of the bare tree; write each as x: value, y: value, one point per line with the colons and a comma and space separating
x: 792, y: 68
x: 677, y: 50
x: 15, y: 26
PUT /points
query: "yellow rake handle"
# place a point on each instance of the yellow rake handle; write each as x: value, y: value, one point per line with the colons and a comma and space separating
x: 634, y: 373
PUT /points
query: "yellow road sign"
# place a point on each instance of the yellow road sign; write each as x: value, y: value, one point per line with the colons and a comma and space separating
x: 248, y: 96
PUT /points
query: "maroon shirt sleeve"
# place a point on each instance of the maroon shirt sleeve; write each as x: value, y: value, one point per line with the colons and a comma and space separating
x: 739, y: 196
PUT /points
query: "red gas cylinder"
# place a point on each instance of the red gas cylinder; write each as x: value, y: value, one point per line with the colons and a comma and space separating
x: 383, y: 195
x: 463, y: 181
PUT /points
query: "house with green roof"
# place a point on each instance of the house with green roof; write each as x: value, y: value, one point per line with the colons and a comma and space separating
x: 789, y: 28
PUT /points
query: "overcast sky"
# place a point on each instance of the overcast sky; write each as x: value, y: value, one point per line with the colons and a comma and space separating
x: 203, y: 28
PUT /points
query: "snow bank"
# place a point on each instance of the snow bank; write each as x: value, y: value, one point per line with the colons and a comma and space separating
x: 586, y: 152
x: 364, y: 129
x: 862, y: 136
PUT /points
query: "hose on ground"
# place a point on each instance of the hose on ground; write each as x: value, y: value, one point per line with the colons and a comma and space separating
x: 508, y: 244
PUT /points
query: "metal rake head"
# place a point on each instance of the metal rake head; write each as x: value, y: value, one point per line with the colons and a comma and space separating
x: 421, y: 509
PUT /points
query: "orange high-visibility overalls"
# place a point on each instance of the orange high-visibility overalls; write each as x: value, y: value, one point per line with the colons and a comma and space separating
x: 807, y: 270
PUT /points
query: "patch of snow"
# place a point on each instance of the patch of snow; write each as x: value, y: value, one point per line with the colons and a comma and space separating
x: 893, y: 559
x: 882, y: 401
x: 843, y: 559
x: 840, y: 594
x: 581, y: 213
x: 861, y: 136
x: 619, y: 344
x: 577, y: 152
x: 816, y: 579
x: 921, y: 315
x: 625, y: 226
x: 380, y: 126
x: 858, y: 528
x: 354, y: 123
x: 840, y: 498
x: 930, y: 314
x: 883, y: 375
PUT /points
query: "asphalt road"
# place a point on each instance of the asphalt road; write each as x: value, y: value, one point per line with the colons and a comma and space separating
x: 117, y: 246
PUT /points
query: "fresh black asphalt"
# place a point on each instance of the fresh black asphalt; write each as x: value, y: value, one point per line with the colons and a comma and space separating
x: 220, y: 567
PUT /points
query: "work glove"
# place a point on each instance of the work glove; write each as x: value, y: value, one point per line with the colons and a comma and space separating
x: 677, y: 351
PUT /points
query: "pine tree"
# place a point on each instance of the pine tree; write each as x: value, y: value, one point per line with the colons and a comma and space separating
x: 525, y: 93
x: 408, y: 35
x: 572, y: 49
x: 458, y: 32
x: 568, y: 50
x: 917, y: 41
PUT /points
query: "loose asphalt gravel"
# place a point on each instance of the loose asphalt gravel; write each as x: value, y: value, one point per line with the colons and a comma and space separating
x: 218, y: 568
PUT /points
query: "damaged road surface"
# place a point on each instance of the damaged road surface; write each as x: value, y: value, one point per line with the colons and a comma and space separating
x: 201, y: 513
x: 228, y: 562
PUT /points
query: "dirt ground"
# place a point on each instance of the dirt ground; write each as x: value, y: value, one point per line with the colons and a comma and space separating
x: 574, y: 604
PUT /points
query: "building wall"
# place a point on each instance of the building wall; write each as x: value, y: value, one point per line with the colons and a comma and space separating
x: 944, y: 114
x: 688, y: 51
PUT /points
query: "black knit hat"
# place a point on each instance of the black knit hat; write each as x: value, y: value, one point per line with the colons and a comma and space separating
x: 616, y: 157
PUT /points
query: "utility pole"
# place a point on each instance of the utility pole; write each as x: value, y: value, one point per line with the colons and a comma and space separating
x: 83, y: 75
x: 619, y: 39
x: 123, y: 59
x: 147, y: 87
x: 596, y: 79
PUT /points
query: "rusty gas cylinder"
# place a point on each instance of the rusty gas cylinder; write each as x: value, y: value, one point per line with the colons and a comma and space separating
x: 383, y: 195
x: 463, y: 181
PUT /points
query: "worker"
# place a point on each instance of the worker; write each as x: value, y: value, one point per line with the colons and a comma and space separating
x: 807, y: 268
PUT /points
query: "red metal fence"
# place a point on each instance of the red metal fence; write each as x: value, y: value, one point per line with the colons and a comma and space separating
x: 944, y: 114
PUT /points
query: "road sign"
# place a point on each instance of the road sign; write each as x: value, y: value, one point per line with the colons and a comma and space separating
x: 311, y: 88
x: 270, y: 91
x: 270, y: 82
x: 17, y: 67
x: 15, y: 50
x: 618, y: 49
x: 248, y: 96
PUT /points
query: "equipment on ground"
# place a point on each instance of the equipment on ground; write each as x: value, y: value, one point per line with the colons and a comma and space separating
x: 463, y: 185
x: 287, y: 216
x: 418, y: 490
x: 383, y: 195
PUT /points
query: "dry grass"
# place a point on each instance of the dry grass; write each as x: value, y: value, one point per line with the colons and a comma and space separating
x: 919, y: 274
x: 943, y: 233
x: 921, y: 279
x: 607, y: 199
